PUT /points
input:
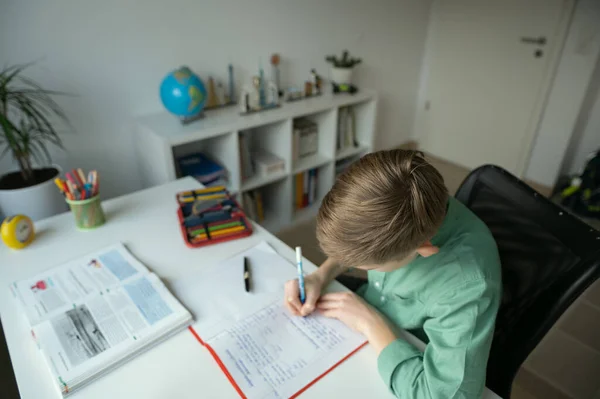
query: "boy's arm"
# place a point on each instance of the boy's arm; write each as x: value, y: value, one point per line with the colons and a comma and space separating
x: 460, y: 330
x: 329, y: 270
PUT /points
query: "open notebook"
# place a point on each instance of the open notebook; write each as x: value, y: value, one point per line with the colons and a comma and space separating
x: 265, y: 352
x: 94, y: 313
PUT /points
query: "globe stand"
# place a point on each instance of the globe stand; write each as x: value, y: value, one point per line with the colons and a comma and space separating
x: 186, y: 120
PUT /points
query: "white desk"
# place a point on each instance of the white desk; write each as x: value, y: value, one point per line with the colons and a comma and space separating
x: 180, y: 367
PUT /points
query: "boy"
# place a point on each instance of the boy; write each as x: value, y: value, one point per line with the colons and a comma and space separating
x: 433, y: 268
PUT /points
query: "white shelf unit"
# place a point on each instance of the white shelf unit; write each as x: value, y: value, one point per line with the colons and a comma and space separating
x: 161, y: 139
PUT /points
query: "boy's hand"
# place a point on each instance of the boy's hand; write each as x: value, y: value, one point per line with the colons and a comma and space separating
x: 313, y: 285
x: 357, y: 314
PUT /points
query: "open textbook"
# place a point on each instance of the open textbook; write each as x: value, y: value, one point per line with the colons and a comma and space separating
x: 265, y: 351
x: 96, y: 312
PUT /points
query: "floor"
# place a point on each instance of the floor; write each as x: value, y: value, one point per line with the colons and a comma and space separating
x: 527, y: 384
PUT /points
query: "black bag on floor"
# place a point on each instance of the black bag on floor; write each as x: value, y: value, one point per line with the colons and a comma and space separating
x: 582, y: 193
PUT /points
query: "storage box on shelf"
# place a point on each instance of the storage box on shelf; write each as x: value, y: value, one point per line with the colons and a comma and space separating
x: 228, y: 138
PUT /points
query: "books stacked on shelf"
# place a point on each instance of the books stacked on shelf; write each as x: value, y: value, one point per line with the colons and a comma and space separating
x: 343, y: 164
x: 346, y: 133
x: 253, y: 205
x: 305, y: 188
x: 203, y: 169
x: 305, y: 139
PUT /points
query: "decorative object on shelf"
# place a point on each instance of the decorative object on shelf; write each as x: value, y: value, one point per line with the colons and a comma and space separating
x: 231, y: 96
x: 305, y: 189
x: 317, y: 82
x: 307, y: 89
x: 346, y: 133
x: 212, y: 99
x: 203, y: 169
x: 341, y: 72
x: 28, y: 114
x: 294, y: 94
x: 216, y: 96
x: 183, y: 94
x: 260, y: 96
x: 275, y: 61
x: 17, y: 231
x: 312, y: 88
x: 305, y: 139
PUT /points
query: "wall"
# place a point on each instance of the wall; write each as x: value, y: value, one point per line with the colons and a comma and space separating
x: 586, y: 135
x: 113, y: 55
x: 567, y: 95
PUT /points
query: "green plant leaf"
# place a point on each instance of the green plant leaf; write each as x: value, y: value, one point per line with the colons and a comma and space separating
x: 26, y: 112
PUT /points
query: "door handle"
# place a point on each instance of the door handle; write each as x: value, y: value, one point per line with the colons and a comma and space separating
x: 540, y: 41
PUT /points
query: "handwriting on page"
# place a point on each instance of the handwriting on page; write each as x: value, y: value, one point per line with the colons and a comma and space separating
x: 267, y: 350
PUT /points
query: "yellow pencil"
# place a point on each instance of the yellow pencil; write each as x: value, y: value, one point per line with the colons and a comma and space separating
x: 201, y: 197
x: 221, y: 232
x: 210, y: 190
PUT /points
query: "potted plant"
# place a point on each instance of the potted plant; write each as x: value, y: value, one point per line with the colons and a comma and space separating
x: 341, y: 70
x: 25, y: 131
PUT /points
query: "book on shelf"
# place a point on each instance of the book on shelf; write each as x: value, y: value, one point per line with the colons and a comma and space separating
x: 96, y: 312
x: 346, y: 133
x: 245, y: 150
x: 305, y: 188
x: 253, y: 205
x: 305, y: 139
x: 203, y: 169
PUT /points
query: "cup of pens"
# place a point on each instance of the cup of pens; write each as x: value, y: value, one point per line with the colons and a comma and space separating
x: 83, y: 198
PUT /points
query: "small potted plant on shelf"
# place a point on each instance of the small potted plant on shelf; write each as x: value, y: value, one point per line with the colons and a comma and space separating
x: 25, y: 131
x: 341, y: 72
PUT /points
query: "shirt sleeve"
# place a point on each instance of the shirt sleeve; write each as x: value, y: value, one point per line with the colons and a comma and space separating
x: 460, y: 329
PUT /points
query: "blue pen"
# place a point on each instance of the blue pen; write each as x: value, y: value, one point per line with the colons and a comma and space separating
x: 300, y: 274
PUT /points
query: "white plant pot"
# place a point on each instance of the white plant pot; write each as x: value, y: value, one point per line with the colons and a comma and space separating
x: 38, y: 202
x: 341, y: 75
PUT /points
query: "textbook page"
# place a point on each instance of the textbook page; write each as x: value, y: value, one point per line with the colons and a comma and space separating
x: 106, y: 327
x: 57, y: 289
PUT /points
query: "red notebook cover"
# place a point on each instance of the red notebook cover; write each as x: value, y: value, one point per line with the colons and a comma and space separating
x: 237, y: 387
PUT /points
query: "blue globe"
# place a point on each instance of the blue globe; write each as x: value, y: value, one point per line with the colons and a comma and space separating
x: 183, y: 93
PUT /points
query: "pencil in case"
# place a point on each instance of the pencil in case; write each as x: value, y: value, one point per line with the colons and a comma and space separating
x: 210, y: 216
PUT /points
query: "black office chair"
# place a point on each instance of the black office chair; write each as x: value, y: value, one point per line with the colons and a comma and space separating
x: 549, y: 258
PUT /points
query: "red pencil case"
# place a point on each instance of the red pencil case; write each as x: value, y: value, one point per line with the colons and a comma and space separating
x: 210, y: 216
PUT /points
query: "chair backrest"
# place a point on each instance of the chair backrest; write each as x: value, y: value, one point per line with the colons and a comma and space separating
x: 549, y: 258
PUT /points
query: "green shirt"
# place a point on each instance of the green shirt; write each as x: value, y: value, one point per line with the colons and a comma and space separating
x: 450, y: 300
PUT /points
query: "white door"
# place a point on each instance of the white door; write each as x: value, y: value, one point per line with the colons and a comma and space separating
x: 489, y: 65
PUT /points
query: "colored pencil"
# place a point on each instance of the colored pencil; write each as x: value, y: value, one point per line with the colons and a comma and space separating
x: 215, y: 228
x: 81, y: 176
x: 221, y: 233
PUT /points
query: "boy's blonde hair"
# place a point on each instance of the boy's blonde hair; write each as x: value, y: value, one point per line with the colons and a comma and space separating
x: 382, y: 208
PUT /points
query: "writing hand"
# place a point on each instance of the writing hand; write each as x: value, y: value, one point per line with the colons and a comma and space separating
x: 313, y: 285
